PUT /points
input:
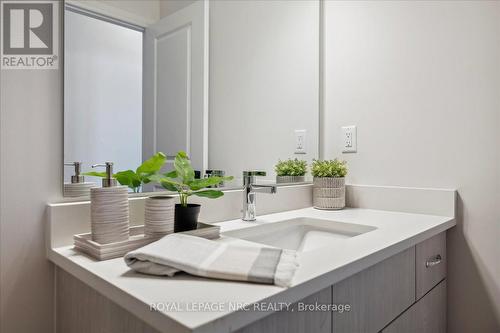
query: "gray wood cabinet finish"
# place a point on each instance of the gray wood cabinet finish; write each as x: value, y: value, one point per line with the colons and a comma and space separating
x: 428, y: 315
x: 430, y: 275
x: 81, y: 309
x: 377, y: 295
x: 297, y: 322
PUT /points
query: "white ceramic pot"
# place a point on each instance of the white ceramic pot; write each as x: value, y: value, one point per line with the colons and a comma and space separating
x: 329, y: 192
x: 290, y: 179
x: 159, y: 216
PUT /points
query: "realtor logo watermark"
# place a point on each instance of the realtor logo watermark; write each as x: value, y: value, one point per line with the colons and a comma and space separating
x: 29, y: 37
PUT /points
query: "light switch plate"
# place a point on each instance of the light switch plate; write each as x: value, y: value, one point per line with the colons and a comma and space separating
x: 300, y: 141
x: 349, y: 139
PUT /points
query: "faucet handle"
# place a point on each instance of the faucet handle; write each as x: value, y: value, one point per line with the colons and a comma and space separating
x: 253, y: 173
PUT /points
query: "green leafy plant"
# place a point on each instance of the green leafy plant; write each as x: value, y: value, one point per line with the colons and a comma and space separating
x: 182, y: 180
x: 329, y: 168
x: 142, y: 175
x: 291, y: 167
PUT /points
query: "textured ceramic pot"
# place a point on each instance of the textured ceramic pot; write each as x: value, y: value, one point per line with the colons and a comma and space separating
x: 159, y: 216
x: 290, y: 179
x: 186, y: 218
x: 329, y: 192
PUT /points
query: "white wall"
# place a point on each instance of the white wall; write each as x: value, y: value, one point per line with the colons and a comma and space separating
x: 263, y: 82
x: 421, y: 80
x: 103, y: 93
x: 31, y: 123
x: 168, y: 7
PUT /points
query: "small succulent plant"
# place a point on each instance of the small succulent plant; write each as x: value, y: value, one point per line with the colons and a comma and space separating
x: 329, y: 168
x: 291, y: 167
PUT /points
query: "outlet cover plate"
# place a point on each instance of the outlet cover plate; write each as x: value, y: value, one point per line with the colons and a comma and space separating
x: 300, y: 141
x: 349, y: 139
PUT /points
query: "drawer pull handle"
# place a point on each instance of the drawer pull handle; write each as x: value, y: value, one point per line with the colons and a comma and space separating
x: 436, y: 260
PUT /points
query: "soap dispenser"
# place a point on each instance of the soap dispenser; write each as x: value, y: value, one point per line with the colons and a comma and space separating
x: 109, y: 210
x: 78, y: 187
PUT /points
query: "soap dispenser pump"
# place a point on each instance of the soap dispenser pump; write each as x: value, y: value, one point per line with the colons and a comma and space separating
x: 77, y: 177
x: 78, y: 187
x: 109, y: 209
x: 107, y: 181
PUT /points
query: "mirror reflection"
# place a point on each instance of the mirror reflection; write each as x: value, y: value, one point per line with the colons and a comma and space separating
x: 234, y: 84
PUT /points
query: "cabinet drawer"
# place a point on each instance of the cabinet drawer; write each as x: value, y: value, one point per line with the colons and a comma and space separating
x: 430, y: 263
x: 428, y: 315
x: 376, y: 295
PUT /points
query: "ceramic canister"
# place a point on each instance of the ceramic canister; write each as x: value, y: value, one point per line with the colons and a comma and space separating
x: 159, y: 216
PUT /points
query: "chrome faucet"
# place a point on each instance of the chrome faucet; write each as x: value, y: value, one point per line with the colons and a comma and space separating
x: 249, y: 193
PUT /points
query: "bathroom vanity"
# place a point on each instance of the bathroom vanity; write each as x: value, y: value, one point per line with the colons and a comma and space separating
x: 370, y: 269
x: 399, y: 294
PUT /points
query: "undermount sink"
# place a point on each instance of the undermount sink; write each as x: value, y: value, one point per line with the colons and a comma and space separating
x: 301, y: 234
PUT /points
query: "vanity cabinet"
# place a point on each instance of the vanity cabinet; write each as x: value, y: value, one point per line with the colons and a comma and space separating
x: 403, y: 293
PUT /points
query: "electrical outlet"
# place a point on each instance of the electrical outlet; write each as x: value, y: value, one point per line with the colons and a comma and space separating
x: 300, y: 141
x: 349, y: 140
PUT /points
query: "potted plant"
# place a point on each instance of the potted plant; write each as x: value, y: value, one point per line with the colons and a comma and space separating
x: 329, y: 183
x: 182, y: 180
x: 290, y: 171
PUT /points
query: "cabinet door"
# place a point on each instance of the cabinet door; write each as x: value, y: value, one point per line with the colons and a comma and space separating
x: 428, y: 315
x: 376, y: 295
x: 297, y: 321
x: 81, y: 309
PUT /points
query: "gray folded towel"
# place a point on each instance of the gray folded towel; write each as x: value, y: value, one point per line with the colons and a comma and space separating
x: 212, y: 259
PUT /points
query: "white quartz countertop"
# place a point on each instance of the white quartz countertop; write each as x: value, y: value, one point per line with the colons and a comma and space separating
x: 190, y: 304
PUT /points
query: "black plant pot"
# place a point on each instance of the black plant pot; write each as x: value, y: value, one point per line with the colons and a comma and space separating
x: 186, y: 218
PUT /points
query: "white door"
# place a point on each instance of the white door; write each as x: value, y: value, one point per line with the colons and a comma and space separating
x: 175, y: 115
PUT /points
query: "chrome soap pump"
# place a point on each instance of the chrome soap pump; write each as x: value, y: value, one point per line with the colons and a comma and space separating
x: 107, y: 181
x: 109, y: 209
x: 76, y: 178
x: 78, y: 187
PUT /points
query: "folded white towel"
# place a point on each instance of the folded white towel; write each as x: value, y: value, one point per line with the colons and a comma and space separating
x: 212, y: 259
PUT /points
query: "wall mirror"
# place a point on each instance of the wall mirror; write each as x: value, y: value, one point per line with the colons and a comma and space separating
x: 235, y: 84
